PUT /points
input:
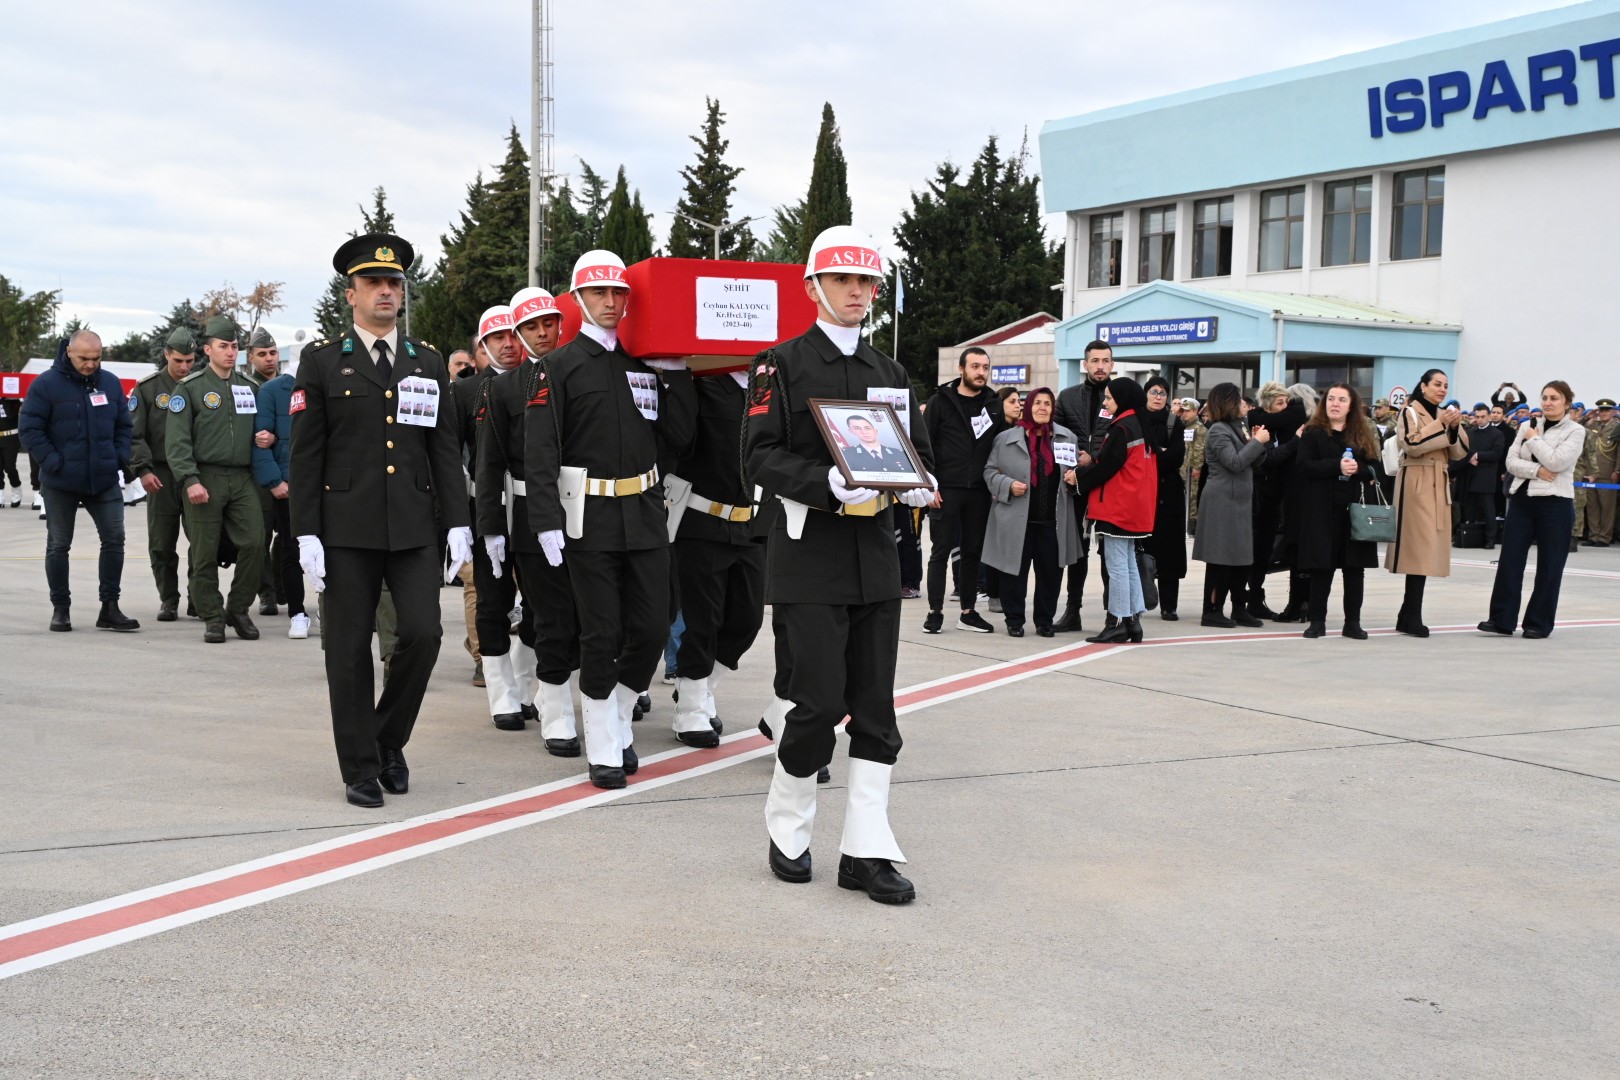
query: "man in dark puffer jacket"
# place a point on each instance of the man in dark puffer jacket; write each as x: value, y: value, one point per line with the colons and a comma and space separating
x: 75, y: 423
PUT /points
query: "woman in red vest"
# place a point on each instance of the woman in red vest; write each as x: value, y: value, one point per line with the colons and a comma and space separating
x: 1123, y: 483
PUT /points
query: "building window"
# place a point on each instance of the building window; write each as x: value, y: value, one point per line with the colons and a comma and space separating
x: 1420, y: 213
x: 1157, y: 258
x: 1107, y: 239
x: 1212, y: 238
x: 1282, y: 228
x: 1323, y: 372
x: 1346, y: 221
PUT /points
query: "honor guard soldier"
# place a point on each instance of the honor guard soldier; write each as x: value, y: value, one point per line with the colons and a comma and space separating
x: 264, y: 364
x: 509, y: 678
x: 149, y: 461
x: 833, y: 572
x: 374, y: 445
x: 601, y: 429
x: 209, y: 435
x: 549, y: 626
x: 719, y: 557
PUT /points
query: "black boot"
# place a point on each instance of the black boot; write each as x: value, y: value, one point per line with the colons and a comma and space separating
x: 1134, y: 624
x: 1070, y: 622
x: 60, y: 621
x: 113, y: 619
x: 1315, y: 630
x: 876, y: 877
x: 1119, y: 632
x: 1410, y: 619
x: 794, y: 871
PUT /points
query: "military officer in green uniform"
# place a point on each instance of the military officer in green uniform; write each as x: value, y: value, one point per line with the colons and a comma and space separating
x: 149, y: 461
x: 210, y: 440
x: 1602, y: 468
x: 1195, y: 433
x: 264, y: 364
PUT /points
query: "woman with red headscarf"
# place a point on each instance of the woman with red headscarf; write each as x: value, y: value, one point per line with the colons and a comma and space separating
x: 1032, y: 520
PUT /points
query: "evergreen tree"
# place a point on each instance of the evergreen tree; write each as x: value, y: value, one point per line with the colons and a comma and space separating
x: 569, y: 237
x: 593, y: 191
x: 332, y: 314
x: 184, y: 315
x: 787, y: 227
x: 625, y: 231
x: 710, y: 183
x: 827, y: 202
x: 976, y: 258
x: 25, y: 318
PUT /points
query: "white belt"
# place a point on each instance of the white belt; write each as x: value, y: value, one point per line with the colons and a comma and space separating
x: 520, y: 488
x: 631, y: 485
x: 694, y: 501
x: 869, y: 508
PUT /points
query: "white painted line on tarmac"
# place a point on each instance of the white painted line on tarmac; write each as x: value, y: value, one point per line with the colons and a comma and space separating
x: 78, y: 931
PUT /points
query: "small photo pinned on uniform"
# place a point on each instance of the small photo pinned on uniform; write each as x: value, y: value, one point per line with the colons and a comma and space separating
x: 869, y: 445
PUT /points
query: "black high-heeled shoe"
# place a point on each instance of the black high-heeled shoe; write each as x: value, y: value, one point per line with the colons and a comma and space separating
x: 1134, y: 624
x: 1118, y: 633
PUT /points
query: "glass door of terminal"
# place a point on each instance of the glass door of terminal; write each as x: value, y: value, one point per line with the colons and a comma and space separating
x: 1196, y: 380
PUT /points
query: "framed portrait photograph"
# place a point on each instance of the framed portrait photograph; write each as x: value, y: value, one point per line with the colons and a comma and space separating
x: 869, y: 444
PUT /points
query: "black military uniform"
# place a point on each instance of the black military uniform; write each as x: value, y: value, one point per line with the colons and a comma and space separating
x: 837, y: 587
x: 550, y: 626
x: 584, y: 414
x: 366, y: 484
x: 719, y: 558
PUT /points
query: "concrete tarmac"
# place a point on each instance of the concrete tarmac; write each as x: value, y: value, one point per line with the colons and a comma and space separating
x: 1239, y: 856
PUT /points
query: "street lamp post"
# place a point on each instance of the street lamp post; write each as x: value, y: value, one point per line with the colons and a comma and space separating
x: 716, y: 229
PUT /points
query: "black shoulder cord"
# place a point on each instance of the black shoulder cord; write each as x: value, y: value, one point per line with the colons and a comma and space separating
x: 765, y: 376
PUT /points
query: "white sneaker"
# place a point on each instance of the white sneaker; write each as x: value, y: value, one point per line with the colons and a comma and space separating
x: 299, y: 628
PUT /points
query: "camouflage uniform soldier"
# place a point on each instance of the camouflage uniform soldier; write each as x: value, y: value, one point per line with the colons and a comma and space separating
x: 1187, y: 408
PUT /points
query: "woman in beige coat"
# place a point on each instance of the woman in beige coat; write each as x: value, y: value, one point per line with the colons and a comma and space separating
x: 1430, y: 438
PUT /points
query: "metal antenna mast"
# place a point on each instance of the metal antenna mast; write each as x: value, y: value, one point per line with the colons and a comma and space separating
x: 540, y: 132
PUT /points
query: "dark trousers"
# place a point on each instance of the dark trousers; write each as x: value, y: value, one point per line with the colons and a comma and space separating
x: 496, y: 595
x: 9, y: 447
x: 782, y: 681
x: 1079, y: 569
x: 623, y: 603
x: 1219, y: 581
x: 1041, y: 552
x: 165, y: 518
x: 361, y: 722
x: 292, y: 574
x: 1355, y: 587
x: 106, y: 509
x: 958, y: 525
x: 550, y: 625
x: 270, y: 571
x: 907, y: 539
x: 1481, y: 506
x: 1266, y: 524
x: 843, y: 665
x: 1544, y: 521
x: 722, y: 591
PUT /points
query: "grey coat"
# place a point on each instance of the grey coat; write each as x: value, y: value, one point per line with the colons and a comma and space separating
x: 1225, y: 526
x: 1009, y: 514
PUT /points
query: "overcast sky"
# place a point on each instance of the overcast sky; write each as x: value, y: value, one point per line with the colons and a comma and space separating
x: 150, y: 152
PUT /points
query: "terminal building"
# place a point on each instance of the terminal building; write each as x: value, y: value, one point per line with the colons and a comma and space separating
x: 1447, y: 202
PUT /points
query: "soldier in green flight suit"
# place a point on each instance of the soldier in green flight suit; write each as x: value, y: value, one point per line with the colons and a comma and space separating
x: 149, y: 409
x: 264, y: 364
x: 210, y: 440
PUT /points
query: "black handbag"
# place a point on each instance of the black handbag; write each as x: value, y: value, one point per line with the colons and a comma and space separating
x: 1372, y: 523
x: 1148, y: 568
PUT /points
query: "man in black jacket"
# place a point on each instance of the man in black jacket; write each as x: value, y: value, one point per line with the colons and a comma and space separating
x: 602, y: 428
x: 367, y: 473
x: 1080, y: 409
x: 964, y: 417
x: 1489, y: 446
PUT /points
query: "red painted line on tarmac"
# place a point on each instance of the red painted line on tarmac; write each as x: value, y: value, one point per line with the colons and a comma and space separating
x: 24, y: 945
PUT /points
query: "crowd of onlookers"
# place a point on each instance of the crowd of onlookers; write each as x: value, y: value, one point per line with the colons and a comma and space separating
x: 1281, y: 490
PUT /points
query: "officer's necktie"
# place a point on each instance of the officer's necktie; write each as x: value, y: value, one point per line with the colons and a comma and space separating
x: 384, y: 368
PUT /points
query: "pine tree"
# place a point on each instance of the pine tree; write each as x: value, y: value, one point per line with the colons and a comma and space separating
x: 625, y: 231
x: 827, y: 202
x: 783, y: 243
x: 710, y: 183
x: 593, y: 191
x: 976, y: 258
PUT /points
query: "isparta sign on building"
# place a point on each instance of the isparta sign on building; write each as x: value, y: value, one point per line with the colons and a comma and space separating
x: 1563, y: 75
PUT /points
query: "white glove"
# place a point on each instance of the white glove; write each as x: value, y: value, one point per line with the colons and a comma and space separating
x: 920, y: 497
x: 496, y: 546
x: 551, y: 542
x: 741, y: 378
x: 666, y: 365
x: 847, y: 495
x: 460, y: 551
x: 312, y: 559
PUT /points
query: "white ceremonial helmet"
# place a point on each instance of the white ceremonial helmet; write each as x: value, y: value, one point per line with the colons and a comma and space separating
x: 842, y: 249
x: 532, y: 303
x: 597, y: 267
x: 492, y: 321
